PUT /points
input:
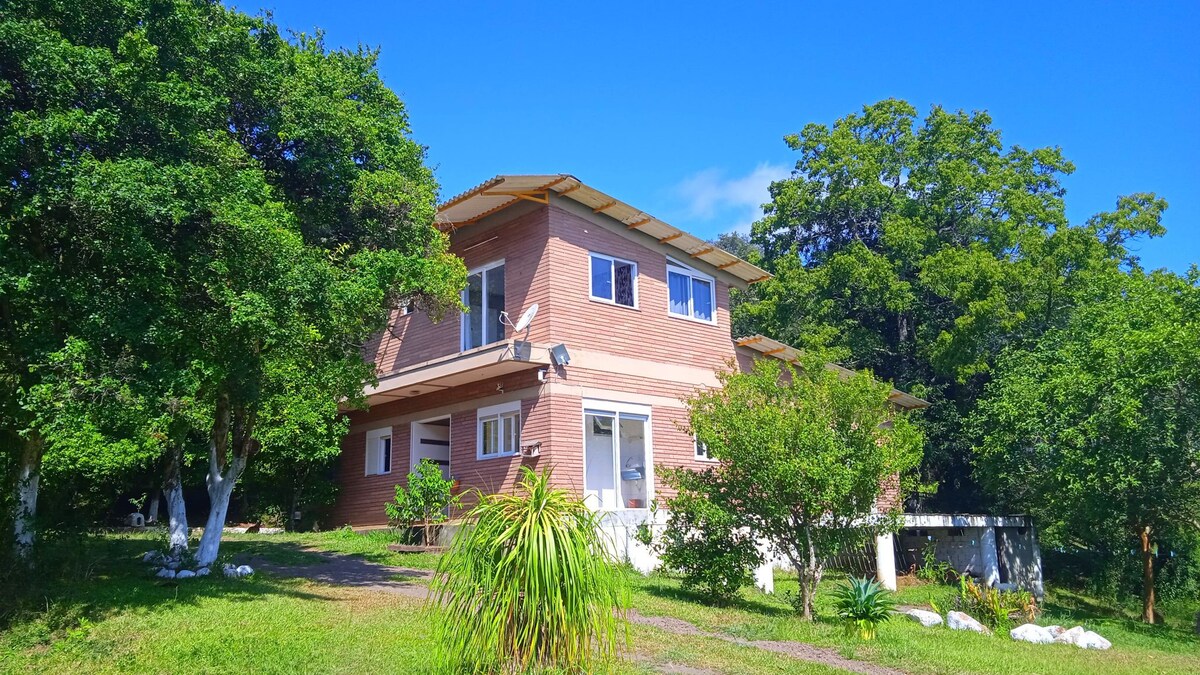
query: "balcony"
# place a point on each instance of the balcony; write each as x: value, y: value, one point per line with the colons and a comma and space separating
x: 482, y: 363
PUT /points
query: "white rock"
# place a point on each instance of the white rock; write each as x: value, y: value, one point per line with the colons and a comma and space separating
x: 1056, y: 630
x: 184, y: 574
x: 961, y: 621
x: 245, y: 570
x: 1090, y: 640
x: 1031, y: 632
x: 173, y: 564
x: 1070, y: 636
x: 203, y: 572
x: 151, y: 556
x: 230, y: 571
x: 165, y: 573
x: 924, y: 617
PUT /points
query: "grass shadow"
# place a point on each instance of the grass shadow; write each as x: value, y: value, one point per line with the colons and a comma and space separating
x: 668, y: 590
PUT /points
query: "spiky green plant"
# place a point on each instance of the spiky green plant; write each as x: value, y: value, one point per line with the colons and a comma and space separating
x: 863, y: 604
x: 528, y: 583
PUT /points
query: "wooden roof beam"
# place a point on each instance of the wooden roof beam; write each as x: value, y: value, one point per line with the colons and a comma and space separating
x: 727, y: 265
x: 671, y: 237
x: 538, y: 196
x: 639, y: 223
x: 605, y: 207
x: 703, y: 251
x: 775, y: 351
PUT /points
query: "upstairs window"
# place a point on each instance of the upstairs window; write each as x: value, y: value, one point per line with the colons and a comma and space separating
x: 691, y: 293
x: 702, y: 451
x: 614, y: 280
x: 499, y: 430
x: 484, y: 298
x: 379, y: 451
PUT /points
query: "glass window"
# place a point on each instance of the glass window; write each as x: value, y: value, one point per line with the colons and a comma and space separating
x: 378, y: 459
x: 690, y: 293
x: 484, y: 298
x: 499, y: 433
x: 702, y: 451
x: 616, y: 472
x: 614, y: 280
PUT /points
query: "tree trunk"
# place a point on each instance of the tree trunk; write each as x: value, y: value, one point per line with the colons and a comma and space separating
x: 810, y: 576
x: 24, y: 527
x: 152, y: 508
x: 229, y: 447
x: 1147, y: 577
x: 176, y: 508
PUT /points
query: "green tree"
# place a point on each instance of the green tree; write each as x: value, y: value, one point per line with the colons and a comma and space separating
x: 1096, y: 430
x: 424, y: 498
x: 230, y: 210
x: 919, y: 248
x: 804, y: 455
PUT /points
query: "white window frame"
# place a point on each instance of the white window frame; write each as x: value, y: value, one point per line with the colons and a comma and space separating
x: 676, y: 267
x: 374, y: 454
x: 697, y: 444
x: 616, y: 409
x: 612, y: 260
x: 465, y: 318
x: 498, y: 413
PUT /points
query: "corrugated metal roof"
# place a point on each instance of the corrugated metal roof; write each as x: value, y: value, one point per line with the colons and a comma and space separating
x: 501, y: 192
x: 784, y: 352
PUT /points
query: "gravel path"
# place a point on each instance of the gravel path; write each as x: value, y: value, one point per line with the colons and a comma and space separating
x: 796, y: 650
x: 352, y: 571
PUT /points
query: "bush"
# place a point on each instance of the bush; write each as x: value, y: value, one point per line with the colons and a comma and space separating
x: 863, y: 604
x: 424, y: 499
x: 529, y: 584
x: 704, y: 544
x: 932, y: 569
x: 995, y: 608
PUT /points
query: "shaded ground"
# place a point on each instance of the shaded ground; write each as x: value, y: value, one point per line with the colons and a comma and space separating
x: 352, y: 571
x: 795, y: 650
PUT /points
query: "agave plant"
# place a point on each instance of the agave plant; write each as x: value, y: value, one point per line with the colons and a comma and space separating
x: 863, y: 604
x: 529, y: 583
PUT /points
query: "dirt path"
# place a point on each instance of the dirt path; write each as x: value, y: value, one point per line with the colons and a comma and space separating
x: 354, y: 572
x: 796, y: 650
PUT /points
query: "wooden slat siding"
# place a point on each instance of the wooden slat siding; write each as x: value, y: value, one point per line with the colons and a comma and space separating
x: 521, y: 242
x: 649, y: 331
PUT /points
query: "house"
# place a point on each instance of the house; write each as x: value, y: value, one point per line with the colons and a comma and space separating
x: 633, y: 316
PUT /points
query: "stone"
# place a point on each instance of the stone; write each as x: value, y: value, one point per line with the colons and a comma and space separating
x: 203, y: 572
x: 1070, y: 636
x: 151, y: 556
x: 245, y: 570
x: 165, y: 573
x: 1090, y: 640
x: 924, y: 617
x: 1056, y: 630
x: 1032, y: 632
x: 230, y: 571
x: 184, y: 574
x: 173, y: 564
x: 962, y: 621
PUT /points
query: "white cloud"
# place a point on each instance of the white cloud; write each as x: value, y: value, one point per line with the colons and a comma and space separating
x: 710, y: 194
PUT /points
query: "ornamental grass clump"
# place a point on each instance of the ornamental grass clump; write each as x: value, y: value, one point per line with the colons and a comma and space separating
x: 863, y: 604
x: 528, y: 583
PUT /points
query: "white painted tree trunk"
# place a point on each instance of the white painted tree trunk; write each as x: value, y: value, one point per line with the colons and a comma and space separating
x: 24, y: 528
x: 220, y: 489
x: 177, y: 524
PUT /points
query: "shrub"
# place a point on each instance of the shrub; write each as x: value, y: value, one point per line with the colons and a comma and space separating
x: 704, y: 544
x: 529, y: 584
x: 993, y: 607
x: 424, y: 499
x: 863, y: 604
x: 932, y: 569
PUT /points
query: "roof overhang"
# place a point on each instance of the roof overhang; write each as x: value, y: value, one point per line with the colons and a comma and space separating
x: 481, y: 363
x: 499, y: 193
x: 768, y: 347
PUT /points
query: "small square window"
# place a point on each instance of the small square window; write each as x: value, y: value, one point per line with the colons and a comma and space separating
x: 499, y: 430
x: 702, y: 451
x: 690, y: 293
x: 614, y: 280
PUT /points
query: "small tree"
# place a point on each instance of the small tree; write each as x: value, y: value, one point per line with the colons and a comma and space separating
x: 803, y: 458
x: 425, y: 499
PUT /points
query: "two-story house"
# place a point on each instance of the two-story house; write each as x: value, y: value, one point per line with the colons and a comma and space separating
x: 633, y: 316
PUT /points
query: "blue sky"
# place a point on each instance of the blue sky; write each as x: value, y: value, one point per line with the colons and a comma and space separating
x: 681, y: 108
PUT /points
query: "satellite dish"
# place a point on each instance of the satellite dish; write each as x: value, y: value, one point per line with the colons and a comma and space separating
x: 523, y: 322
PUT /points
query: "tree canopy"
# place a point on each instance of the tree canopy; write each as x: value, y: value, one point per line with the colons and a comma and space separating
x: 920, y: 248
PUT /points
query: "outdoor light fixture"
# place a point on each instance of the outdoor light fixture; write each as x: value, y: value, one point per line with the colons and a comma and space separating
x: 559, y: 355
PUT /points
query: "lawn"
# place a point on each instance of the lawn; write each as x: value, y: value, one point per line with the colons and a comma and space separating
x: 107, y: 615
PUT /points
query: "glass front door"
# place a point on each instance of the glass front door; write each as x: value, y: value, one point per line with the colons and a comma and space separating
x: 616, y: 471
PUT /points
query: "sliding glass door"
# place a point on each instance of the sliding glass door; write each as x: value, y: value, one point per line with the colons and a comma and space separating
x: 616, y: 449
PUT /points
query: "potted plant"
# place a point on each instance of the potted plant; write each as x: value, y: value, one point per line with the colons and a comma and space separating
x: 863, y: 604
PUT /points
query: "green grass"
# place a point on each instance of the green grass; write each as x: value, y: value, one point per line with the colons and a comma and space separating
x: 105, y: 614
